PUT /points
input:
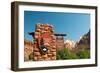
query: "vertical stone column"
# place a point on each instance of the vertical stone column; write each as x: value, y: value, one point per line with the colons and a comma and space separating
x: 45, y: 32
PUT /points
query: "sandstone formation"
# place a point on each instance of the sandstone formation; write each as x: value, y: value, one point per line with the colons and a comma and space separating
x: 69, y: 44
x: 84, y: 42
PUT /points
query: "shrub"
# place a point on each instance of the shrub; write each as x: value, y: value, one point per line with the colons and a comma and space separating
x: 84, y: 54
x: 66, y: 54
x: 31, y: 56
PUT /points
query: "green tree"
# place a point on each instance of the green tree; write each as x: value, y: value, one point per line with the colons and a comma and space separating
x: 84, y: 54
x: 66, y: 54
x: 31, y: 56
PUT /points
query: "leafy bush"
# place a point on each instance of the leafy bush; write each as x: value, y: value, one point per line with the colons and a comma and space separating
x: 84, y: 54
x: 65, y: 54
x: 31, y: 56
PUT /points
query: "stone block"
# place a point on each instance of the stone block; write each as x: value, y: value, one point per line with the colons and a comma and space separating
x: 49, y: 55
x: 53, y: 50
x: 54, y: 53
x: 44, y: 56
x: 47, y: 59
x: 53, y: 58
x: 35, y: 58
x: 36, y: 50
x: 37, y: 53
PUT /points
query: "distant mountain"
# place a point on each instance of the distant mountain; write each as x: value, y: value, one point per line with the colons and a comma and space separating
x: 84, y: 42
x: 69, y: 44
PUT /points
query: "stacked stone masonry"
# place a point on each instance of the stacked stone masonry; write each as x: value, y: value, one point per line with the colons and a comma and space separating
x: 46, y: 32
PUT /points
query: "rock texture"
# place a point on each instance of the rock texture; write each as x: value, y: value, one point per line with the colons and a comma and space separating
x: 46, y: 33
x: 84, y: 42
x: 28, y: 49
x: 69, y: 44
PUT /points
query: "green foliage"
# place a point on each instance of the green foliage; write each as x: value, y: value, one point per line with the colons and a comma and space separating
x: 67, y: 54
x: 31, y: 56
x: 84, y: 54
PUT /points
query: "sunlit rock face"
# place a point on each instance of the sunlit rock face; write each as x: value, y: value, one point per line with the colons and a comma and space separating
x: 81, y: 44
x: 84, y: 42
x: 69, y: 44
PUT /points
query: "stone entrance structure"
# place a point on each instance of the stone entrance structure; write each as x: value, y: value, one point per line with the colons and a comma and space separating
x: 45, y: 42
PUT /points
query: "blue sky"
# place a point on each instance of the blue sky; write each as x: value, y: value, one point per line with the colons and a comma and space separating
x: 73, y: 24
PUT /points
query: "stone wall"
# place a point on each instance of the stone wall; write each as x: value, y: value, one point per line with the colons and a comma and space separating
x: 44, y: 33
